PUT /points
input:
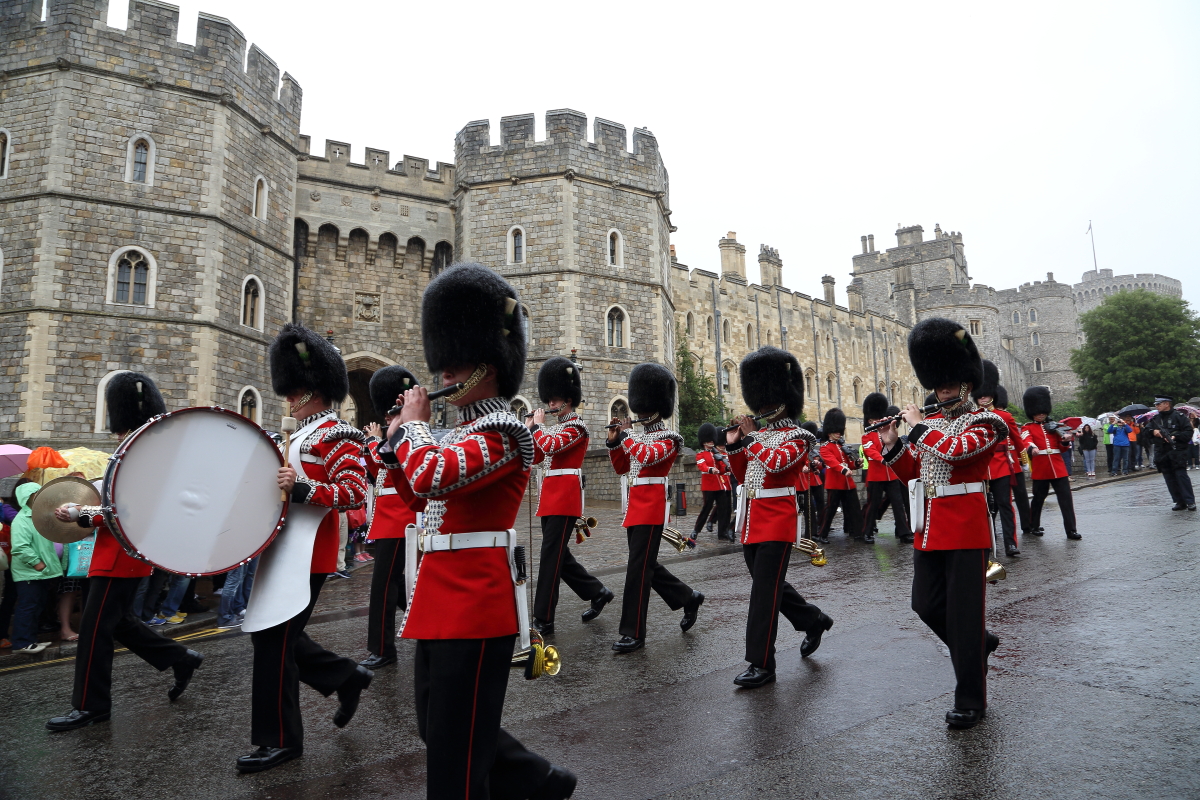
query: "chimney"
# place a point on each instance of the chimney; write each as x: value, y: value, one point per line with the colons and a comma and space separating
x: 871, y: 242
x: 827, y: 283
x: 770, y: 266
x: 733, y: 256
x: 864, y: 243
x: 1049, y: 277
x: 673, y: 258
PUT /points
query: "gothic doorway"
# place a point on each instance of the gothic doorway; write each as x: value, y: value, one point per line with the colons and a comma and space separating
x: 357, y: 408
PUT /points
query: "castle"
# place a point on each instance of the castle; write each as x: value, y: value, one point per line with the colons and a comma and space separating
x: 162, y: 212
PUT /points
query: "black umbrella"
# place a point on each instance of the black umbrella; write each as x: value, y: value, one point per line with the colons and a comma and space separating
x: 1134, y: 408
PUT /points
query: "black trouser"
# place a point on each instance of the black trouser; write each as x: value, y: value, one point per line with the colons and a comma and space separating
x: 284, y: 655
x: 880, y: 494
x: 1002, y: 502
x: 108, y: 616
x: 948, y: 595
x: 1179, y: 484
x: 720, y: 501
x: 7, y: 603
x: 1020, y: 497
x: 153, y: 594
x: 770, y: 596
x: 387, y: 594
x: 460, y: 686
x: 1108, y: 452
x: 557, y: 562
x: 851, y: 511
x: 643, y: 574
x: 1062, y: 490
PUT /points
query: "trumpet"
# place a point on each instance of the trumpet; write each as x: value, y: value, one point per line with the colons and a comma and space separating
x: 816, y: 555
x: 538, y: 659
x: 995, y: 572
x: 641, y: 421
x: 443, y: 392
x: 677, y: 540
x: 583, y: 529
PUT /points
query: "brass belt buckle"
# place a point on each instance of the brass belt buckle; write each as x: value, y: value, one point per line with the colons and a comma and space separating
x: 753, y: 493
x: 930, y: 492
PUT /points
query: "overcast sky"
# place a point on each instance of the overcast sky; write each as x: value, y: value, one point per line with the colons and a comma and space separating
x: 804, y: 125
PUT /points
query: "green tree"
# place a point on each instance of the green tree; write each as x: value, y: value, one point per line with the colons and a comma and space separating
x: 698, y: 398
x: 1137, y: 343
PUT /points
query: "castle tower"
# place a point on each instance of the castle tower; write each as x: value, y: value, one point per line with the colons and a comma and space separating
x: 583, y: 231
x: 733, y: 257
x: 770, y: 267
x: 145, y: 214
x: 1040, y: 323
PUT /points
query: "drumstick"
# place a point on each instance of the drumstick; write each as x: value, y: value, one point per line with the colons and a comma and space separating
x: 288, y: 426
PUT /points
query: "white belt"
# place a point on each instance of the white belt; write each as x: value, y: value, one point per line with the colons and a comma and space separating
x: 1045, y: 452
x: 311, y: 459
x: 649, y: 481
x: 782, y: 491
x: 550, y: 473
x: 463, y: 541
x: 386, y: 491
x: 958, y: 488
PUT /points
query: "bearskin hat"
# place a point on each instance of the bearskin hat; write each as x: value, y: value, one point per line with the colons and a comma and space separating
x: 812, y: 428
x: 771, y: 377
x: 387, y: 384
x: 707, y: 433
x: 892, y: 411
x: 303, y: 361
x: 1036, y: 401
x: 651, y: 390
x: 991, y: 379
x: 941, y: 352
x: 875, y: 406
x: 835, y: 422
x: 560, y: 377
x: 470, y: 315
x: 1001, y: 399
x: 931, y: 399
x: 131, y: 399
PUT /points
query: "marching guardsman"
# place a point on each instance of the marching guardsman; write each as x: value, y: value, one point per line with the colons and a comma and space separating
x: 560, y: 503
x: 1042, y: 439
x: 322, y: 477
x: 839, y: 479
x: 951, y: 452
x: 1018, y: 458
x: 645, y: 460
x: 396, y: 507
x: 883, y: 484
x: 463, y: 609
x: 714, y: 483
x: 132, y: 400
x: 811, y: 484
x: 1000, y: 475
x: 768, y: 462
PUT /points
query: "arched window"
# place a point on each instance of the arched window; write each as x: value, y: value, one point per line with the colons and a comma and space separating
x: 5, y: 139
x: 916, y: 396
x: 808, y: 383
x: 726, y: 377
x: 749, y: 337
x: 828, y: 346
x: 516, y: 245
x: 1035, y: 339
x: 132, y: 272
x: 689, y: 323
x: 616, y: 249
x: 829, y: 386
x: 385, y: 251
x: 414, y: 253
x: 252, y: 304
x: 443, y: 256
x: 519, y: 407
x: 857, y: 390
x: 1037, y: 365
x: 250, y: 404
x: 616, y: 333
x: 1032, y: 315
x: 261, y: 192
x: 895, y: 392
x: 854, y: 354
x: 770, y: 340
x: 101, y: 408
x: 708, y: 328
x: 725, y: 330
x: 139, y: 159
x: 1016, y: 318
x: 618, y: 408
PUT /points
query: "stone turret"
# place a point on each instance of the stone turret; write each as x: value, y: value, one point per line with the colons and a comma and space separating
x: 770, y: 266
x: 733, y: 256
x: 828, y: 283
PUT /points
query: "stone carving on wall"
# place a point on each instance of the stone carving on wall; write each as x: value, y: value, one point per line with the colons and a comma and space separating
x: 366, y: 307
x: 404, y: 211
x: 376, y: 205
x: 346, y: 200
x: 315, y: 197
x: 431, y: 216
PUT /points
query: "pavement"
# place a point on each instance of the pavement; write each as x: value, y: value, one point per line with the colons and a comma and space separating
x: 1094, y: 692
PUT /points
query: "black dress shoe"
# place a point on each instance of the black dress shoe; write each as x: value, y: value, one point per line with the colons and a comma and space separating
x: 349, y: 693
x: 1037, y: 531
x: 627, y: 644
x: 559, y: 785
x: 542, y: 627
x: 906, y: 539
x: 1191, y: 507
x: 992, y: 642
x: 690, y: 609
x: 823, y: 540
x: 1178, y: 507
x: 1011, y: 551
x: 755, y: 677
x: 961, y: 718
x: 375, y: 662
x: 813, y: 640
x: 1074, y: 535
x: 598, y: 603
x: 77, y: 719
x: 267, y: 757
x: 184, y: 671
x: 869, y: 538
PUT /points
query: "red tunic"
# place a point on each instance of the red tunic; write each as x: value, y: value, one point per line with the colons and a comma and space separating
x: 1004, y: 456
x: 949, y: 452
x: 771, y: 458
x: 835, y: 460
x: 1043, y: 466
x: 396, y: 506
x: 713, y: 471
x: 645, y: 455
x: 566, y: 443
x: 333, y: 478
x: 876, y: 469
x: 474, y: 480
x: 109, y: 559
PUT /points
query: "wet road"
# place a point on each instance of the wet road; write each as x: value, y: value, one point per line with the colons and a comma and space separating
x: 1094, y: 691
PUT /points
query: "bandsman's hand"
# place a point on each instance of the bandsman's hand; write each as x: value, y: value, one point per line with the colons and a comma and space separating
x: 373, y: 429
x: 912, y: 414
x: 539, y: 416
x: 286, y: 478
x: 889, y: 435
x: 613, y: 433
x: 63, y: 513
x: 416, y: 407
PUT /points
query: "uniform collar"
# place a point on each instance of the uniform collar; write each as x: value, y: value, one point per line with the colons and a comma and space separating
x: 654, y: 427
x: 329, y: 412
x: 481, y: 408
x: 782, y: 422
x: 570, y: 415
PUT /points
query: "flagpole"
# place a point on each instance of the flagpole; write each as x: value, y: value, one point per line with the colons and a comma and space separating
x: 1093, y: 235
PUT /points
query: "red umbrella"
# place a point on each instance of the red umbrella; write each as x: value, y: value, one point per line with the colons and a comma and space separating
x: 14, y: 459
x: 1074, y: 423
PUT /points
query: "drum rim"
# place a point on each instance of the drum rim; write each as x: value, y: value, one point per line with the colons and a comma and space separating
x: 113, y: 470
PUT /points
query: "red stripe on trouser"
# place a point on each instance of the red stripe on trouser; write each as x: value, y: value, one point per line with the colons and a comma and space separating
x: 471, y: 732
x: 282, y: 663
x: 386, y: 610
x: 92, y: 649
x: 774, y: 599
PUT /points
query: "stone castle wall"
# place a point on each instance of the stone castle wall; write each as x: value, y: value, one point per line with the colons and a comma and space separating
x: 1098, y: 284
x: 1043, y: 341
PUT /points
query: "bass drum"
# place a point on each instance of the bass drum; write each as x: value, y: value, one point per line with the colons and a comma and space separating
x: 194, y: 491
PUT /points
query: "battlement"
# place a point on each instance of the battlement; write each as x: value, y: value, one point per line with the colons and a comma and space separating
x: 411, y: 174
x: 1038, y: 289
x: 955, y: 294
x: 75, y: 35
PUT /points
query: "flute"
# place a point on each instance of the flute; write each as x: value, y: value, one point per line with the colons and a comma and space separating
x: 548, y: 411
x: 451, y: 389
x: 883, y: 423
x: 754, y: 418
x: 642, y: 421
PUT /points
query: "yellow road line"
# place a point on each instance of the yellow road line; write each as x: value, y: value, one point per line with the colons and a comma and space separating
x: 187, y: 637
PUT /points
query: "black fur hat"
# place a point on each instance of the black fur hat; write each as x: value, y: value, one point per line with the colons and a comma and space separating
x: 771, y: 377
x: 835, y: 422
x: 303, y: 361
x: 1001, y: 399
x: 131, y: 399
x: 875, y: 406
x: 811, y: 427
x: 991, y: 379
x: 560, y: 377
x: 470, y: 315
x: 1036, y: 401
x: 389, y: 383
x: 707, y: 433
x: 892, y: 411
x: 651, y: 390
x: 941, y: 352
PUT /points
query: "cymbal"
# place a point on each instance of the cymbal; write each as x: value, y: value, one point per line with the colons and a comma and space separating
x: 54, y: 494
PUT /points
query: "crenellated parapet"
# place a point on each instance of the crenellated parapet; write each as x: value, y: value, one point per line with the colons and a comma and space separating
x: 410, y: 175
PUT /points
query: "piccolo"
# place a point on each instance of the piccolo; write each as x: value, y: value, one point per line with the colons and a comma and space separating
x: 754, y: 418
x: 451, y: 389
x: 548, y: 411
x: 641, y: 421
x: 883, y: 423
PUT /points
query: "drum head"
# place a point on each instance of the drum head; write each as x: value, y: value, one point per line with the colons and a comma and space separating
x: 194, y: 492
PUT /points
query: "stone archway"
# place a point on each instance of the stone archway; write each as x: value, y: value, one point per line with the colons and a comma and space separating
x: 357, y: 408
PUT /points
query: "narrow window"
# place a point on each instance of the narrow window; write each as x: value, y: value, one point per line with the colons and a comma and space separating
x: 1032, y: 315
x: 808, y: 384
x: 250, y: 304
x: 1016, y: 318
x: 3, y: 154
x: 133, y: 276
x: 1035, y: 339
x: 857, y: 389
x: 613, y: 246
x: 616, y: 328
x: 708, y: 328
x: 690, y: 323
x: 141, y: 153
x: 247, y: 408
x: 260, y: 199
x: 829, y: 386
x: 725, y: 378
x: 1037, y: 365
x: 725, y: 330
x: 976, y: 327
x: 749, y: 337
x: 140, y: 272
x: 518, y: 246
x: 443, y: 256
x: 619, y: 409
x: 124, y: 269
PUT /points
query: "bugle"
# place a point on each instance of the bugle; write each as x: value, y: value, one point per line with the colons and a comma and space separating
x: 677, y: 540
x: 443, y: 392
x: 583, y: 528
x: 538, y: 659
x: 816, y: 555
x: 929, y: 409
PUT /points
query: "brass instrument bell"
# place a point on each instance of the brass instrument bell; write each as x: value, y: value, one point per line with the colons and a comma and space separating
x: 995, y: 572
x: 583, y: 529
x: 539, y: 658
x: 816, y: 555
x: 677, y: 540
